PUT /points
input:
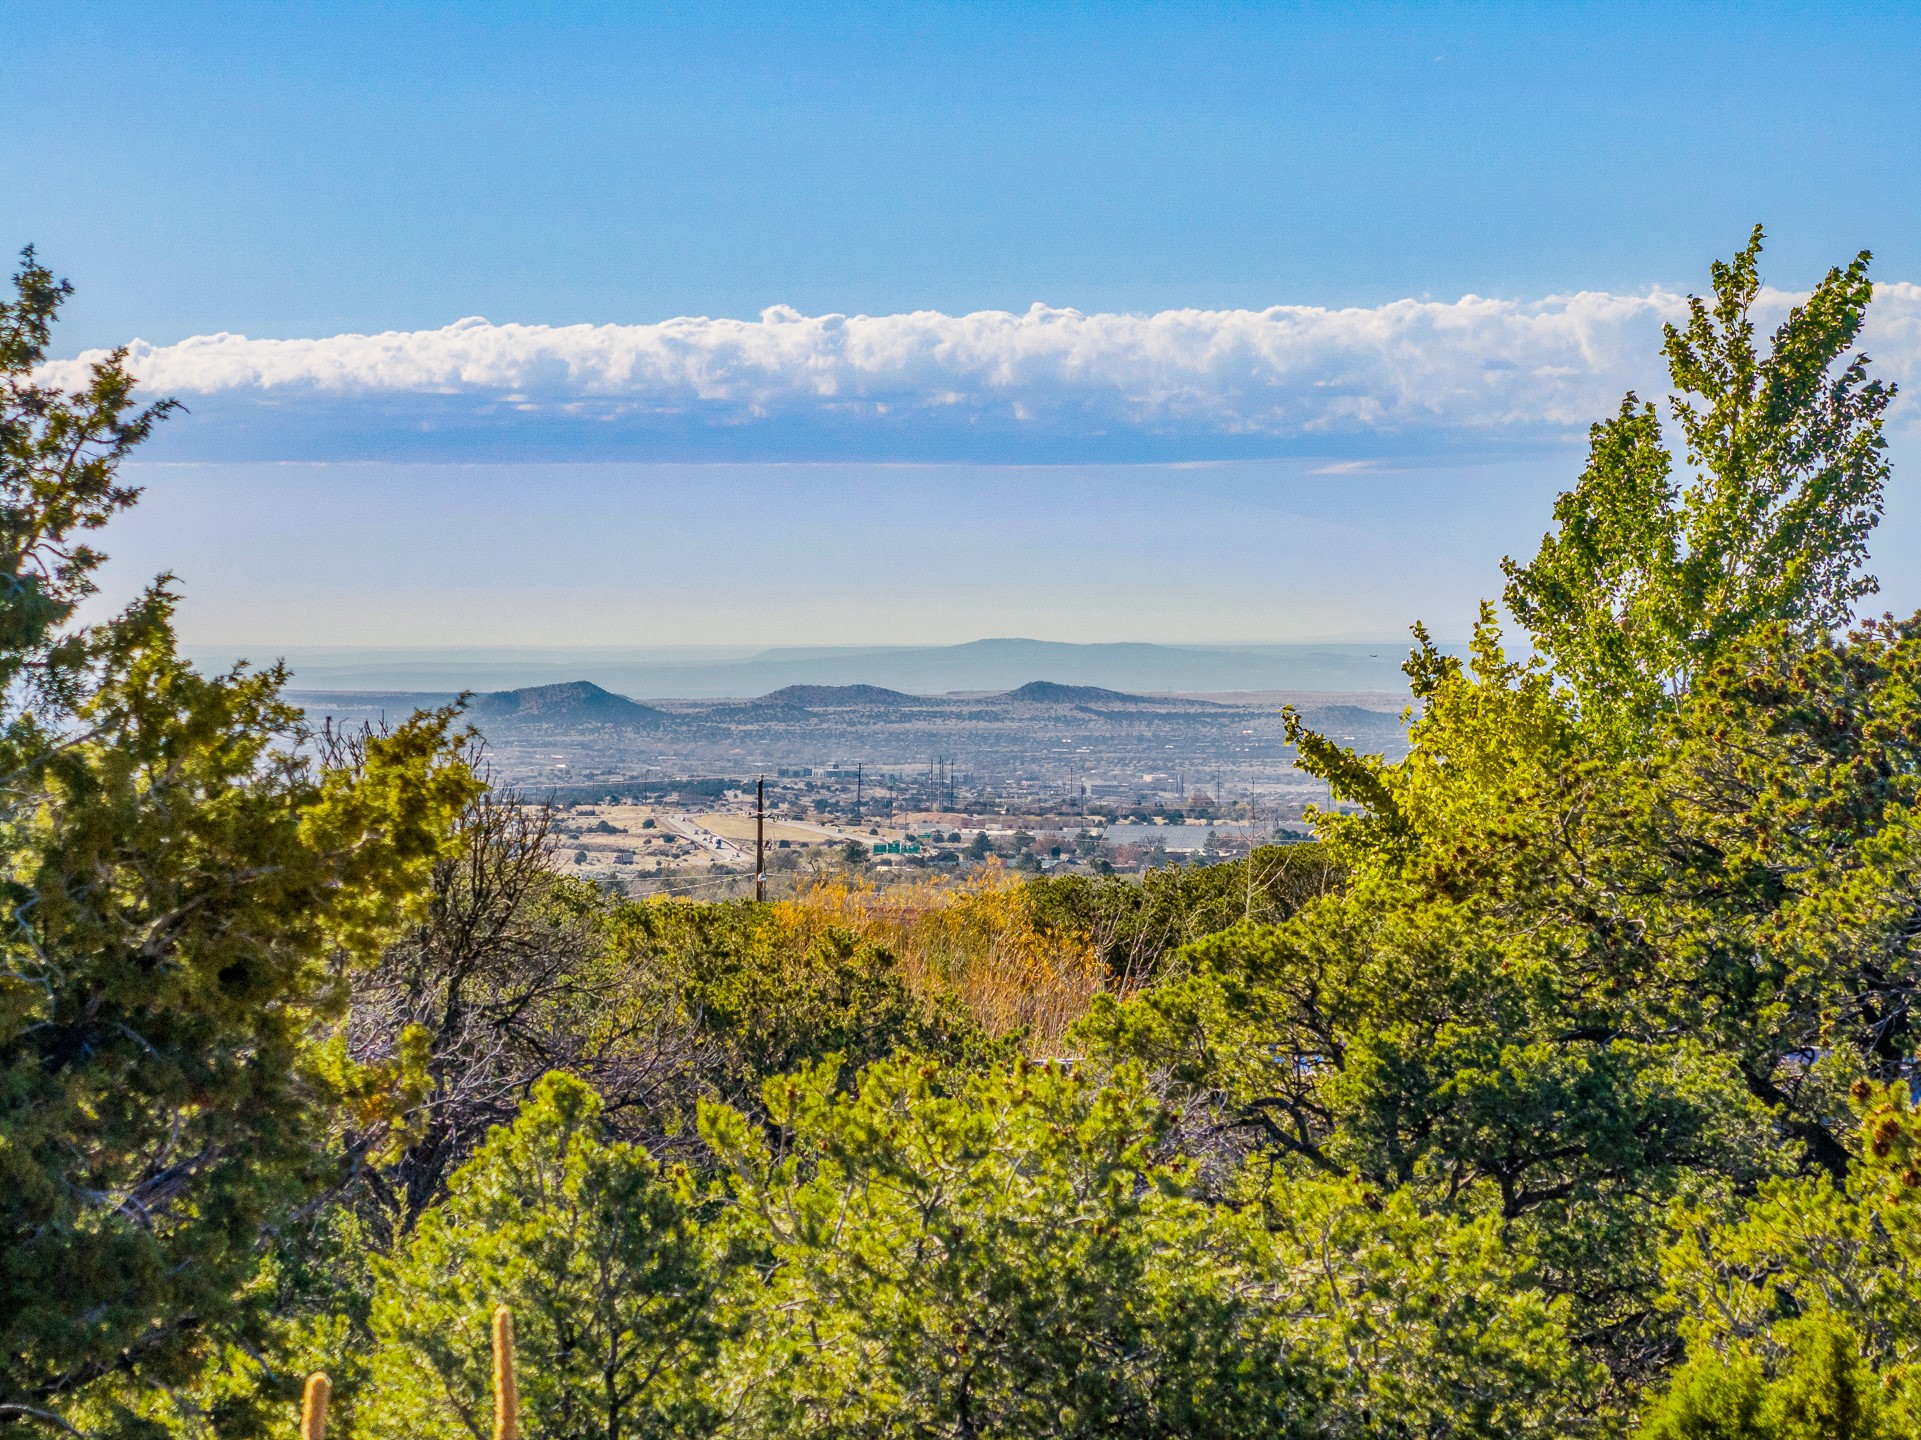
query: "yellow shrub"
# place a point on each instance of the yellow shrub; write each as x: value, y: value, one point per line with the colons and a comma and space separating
x: 978, y: 941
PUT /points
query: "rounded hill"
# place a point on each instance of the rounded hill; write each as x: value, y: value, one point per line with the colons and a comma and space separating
x: 577, y: 702
x: 1047, y: 692
x: 833, y: 697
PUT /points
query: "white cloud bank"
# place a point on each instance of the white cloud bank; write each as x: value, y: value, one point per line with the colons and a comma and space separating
x: 1289, y: 371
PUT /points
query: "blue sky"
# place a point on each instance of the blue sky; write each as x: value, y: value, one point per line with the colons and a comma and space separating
x: 314, y: 172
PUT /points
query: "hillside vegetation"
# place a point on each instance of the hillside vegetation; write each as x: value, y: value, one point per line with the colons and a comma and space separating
x: 1563, y: 1087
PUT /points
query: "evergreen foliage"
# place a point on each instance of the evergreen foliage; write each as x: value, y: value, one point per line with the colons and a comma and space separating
x: 1012, y: 1259
x: 600, y: 1258
x: 183, y: 886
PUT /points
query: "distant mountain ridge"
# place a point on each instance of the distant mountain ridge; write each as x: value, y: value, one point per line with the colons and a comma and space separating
x: 980, y: 666
x: 581, y: 703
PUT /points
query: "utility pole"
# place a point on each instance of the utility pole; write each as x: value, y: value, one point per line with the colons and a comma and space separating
x: 857, y: 769
x: 760, y: 838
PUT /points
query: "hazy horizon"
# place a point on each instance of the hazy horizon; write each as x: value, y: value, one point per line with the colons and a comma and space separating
x: 743, y: 672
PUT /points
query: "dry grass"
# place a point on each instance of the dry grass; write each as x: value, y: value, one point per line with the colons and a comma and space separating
x: 977, y: 941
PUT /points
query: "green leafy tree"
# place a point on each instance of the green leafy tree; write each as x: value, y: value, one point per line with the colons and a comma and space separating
x: 601, y: 1256
x: 182, y: 886
x: 1647, y: 581
x: 1579, y: 981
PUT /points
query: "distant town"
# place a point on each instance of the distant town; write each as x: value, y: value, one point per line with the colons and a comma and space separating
x: 673, y: 796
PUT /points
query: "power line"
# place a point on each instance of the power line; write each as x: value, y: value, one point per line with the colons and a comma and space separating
x: 695, y: 884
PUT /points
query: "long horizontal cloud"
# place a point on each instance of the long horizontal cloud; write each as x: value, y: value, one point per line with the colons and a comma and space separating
x: 1047, y: 380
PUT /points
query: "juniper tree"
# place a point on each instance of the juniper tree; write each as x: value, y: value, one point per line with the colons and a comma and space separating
x: 181, y: 884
